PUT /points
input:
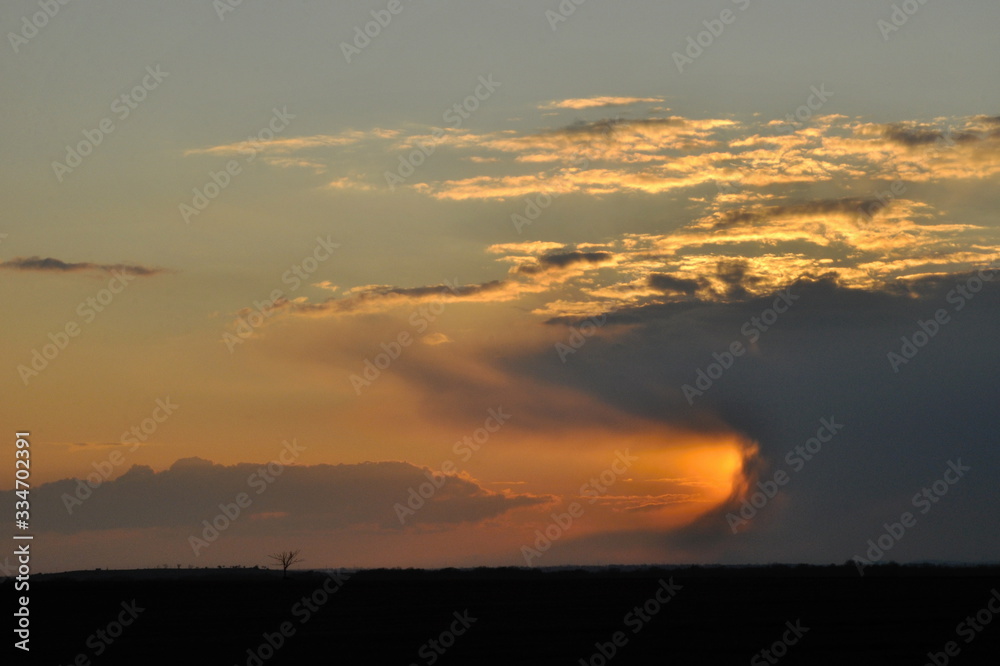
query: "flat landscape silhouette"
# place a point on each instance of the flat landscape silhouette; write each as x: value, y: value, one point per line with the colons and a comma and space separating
x: 625, y: 615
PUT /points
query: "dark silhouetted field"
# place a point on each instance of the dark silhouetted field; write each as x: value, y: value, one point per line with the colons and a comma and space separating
x: 892, y: 615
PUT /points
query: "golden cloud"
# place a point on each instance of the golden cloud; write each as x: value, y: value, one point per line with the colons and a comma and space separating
x: 598, y: 102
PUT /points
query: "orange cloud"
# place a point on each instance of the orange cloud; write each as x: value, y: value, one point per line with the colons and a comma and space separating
x: 597, y: 102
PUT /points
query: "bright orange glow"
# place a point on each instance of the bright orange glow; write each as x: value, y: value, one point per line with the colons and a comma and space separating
x: 672, y: 477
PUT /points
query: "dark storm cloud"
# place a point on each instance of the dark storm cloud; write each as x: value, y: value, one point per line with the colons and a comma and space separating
x: 316, y: 496
x: 48, y: 264
x: 826, y: 357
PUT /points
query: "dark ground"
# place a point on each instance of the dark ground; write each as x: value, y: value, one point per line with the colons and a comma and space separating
x: 892, y: 615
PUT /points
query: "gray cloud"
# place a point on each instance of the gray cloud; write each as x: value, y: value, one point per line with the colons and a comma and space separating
x: 740, y: 216
x: 314, y: 497
x: 669, y: 283
x: 605, y: 129
x: 373, y: 296
x: 736, y: 276
x: 916, y: 136
x: 48, y: 264
x: 826, y: 357
x: 562, y: 261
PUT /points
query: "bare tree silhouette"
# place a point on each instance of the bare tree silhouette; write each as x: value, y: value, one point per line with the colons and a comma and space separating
x: 286, y: 558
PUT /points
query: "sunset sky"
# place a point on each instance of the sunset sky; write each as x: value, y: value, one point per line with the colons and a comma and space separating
x: 614, y: 263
